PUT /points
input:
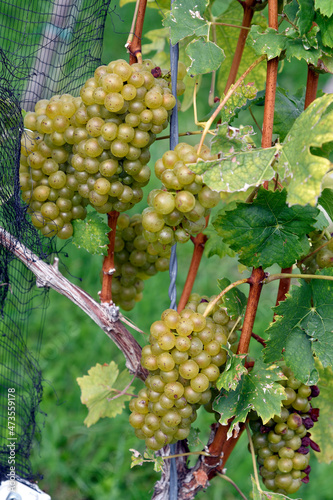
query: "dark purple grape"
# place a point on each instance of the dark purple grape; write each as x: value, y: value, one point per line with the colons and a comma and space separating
x: 314, y: 414
x: 304, y: 450
x: 315, y: 446
x: 305, y: 479
x: 307, y: 470
x: 308, y: 423
x: 315, y: 391
x: 306, y: 441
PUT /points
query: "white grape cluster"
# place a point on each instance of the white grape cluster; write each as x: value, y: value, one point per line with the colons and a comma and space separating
x: 135, y: 260
x: 185, y: 357
x: 181, y: 205
x: 94, y: 149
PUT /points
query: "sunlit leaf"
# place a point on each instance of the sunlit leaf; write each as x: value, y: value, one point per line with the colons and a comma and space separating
x: 98, y: 389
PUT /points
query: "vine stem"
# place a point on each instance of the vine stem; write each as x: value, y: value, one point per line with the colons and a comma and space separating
x: 246, y: 23
x: 311, y: 86
x: 226, y: 98
x: 134, y: 45
x: 199, y: 247
x: 255, y: 470
x: 311, y: 254
x: 108, y: 264
x: 256, y: 283
x: 278, y: 276
x: 220, y: 295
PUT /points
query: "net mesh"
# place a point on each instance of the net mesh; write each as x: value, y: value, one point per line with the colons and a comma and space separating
x: 47, y: 48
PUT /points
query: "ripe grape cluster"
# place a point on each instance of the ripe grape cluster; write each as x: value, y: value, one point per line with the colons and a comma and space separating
x: 94, y: 149
x: 282, y: 445
x: 185, y: 357
x: 323, y: 257
x: 135, y: 260
x: 177, y: 210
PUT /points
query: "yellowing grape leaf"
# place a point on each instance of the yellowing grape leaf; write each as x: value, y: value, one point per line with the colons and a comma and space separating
x: 302, y: 169
x: 99, y: 387
x: 322, y: 431
x: 206, y: 56
x: 267, y: 231
x: 303, y: 327
x: 237, y: 171
x: 257, y: 390
x: 185, y: 19
x: 91, y: 234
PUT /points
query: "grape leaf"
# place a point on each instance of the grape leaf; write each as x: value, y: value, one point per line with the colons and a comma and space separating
x: 326, y: 29
x: 322, y: 432
x: 185, y: 19
x: 305, y: 15
x: 289, y: 42
x: 206, y: 56
x: 215, y: 245
x: 325, y: 7
x: 326, y: 201
x: 304, y: 170
x: 102, y: 383
x: 91, y: 234
x: 232, y: 373
x: 303, y: 325
x: 267, y: 231
x: 291, y: 9
x: 238, y: 171
x: 257, y: 390
x: 287, y: 109
x: 267, y: 41
x: 229, y: 140
x: 234, y: 300
x: 227, y: 37
x: 259, y: 494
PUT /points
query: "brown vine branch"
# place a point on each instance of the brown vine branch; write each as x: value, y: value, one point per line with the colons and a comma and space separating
x: 108, y: 264
x: 258, y: 339
x: 199, y: 247
x: 311, y: 86
x: 133, y: 45
x: 256, y: 282
x: 246, y: 23
x: 103, y: 315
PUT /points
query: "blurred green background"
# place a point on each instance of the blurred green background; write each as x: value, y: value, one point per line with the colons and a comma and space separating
x: 94, y: 464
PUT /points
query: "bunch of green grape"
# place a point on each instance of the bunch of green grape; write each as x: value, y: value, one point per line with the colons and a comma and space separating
x: 323, y: 257
x: 94, y: 147
x: 185, y: 358
x: 283, y: 444
x: 135, y: 260
x: 184, y: 200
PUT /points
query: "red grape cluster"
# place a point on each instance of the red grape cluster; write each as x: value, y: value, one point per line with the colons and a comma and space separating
x: 283, y: 444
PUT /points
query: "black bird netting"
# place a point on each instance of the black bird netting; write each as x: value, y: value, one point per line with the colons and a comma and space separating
x: 47, y: 48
